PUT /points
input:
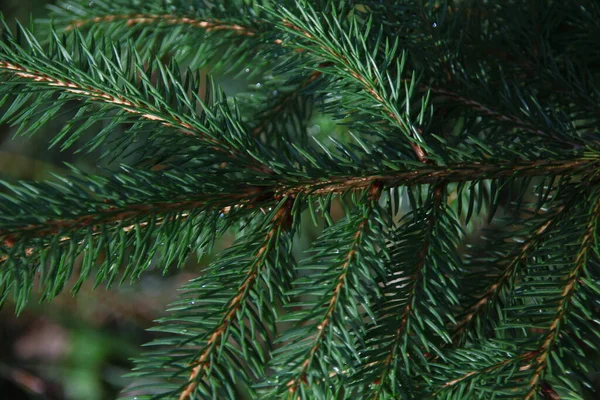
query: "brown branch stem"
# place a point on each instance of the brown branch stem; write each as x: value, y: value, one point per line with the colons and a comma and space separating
x: 443, y: 174
x: 144, y: 111
x: 408, y: 309
x: 323, y: 326
x: 587, y: 242
x: 99, y: 95
x: 337, y: 184
x: 219, y: 333
x: 169, y: 19
x: 116, y: 215
x: 511, y: 269
x: 522, y: 357
x: 482, y: 109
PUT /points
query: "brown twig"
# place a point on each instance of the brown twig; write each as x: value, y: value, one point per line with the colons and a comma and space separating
x: 587, y: 242
x: 408, y: 308
x: 520, y: 358
x: 144, y: 111
x: 482, y: 109
x: 169, y: 19
x: 219, y: 333
x: 444, y: 174
x: 323, y: 326
x: 510, y: 270
x: 338, y: 184
x: 115, y: 216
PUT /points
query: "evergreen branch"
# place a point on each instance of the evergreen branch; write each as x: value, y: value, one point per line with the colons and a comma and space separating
x: 581, y: 259
x: 121, y: 83
x: 96, y: 94
x: 412, y: 321
x: 316, y: 349
x: 444, y: 174
x: 486, y: 370
x: 331, y: 42
x: 532, y: 301
x: 229, y: 314
x: 423, y: 175
x: 511, y: 120
x: 145, y: 111
x: 168, y: 19
x: 488, y: 111
x: 398, y: 335
x: 109, y: 216
x: 511, y: 269
x: 324, y: 325
x: 219, y: 333
x: 379, y: 383
x: 45, y: 226
x: 220, y: 38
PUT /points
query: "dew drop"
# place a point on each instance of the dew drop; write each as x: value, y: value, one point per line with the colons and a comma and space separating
x: 192, y: 302
x: 275, y: 92
x: 315, y: 129
x: 184, y: 331
x: 434, y: 25
x: 258, y: 85
x: 247, y: 70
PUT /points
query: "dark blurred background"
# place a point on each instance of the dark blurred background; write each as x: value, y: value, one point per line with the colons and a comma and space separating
x: 76, y: 347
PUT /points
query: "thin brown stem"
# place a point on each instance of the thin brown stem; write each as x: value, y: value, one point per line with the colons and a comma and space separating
x: 482, y: 109
x: 168, y: 19
x: 144, y: 111
x: 587, y: 242
x: 444, y: 174
x: 323, y: 186
x: 494, y: 290
x: 520, y: 358
x: 324, y: 325
x: 408, y: 308
x: 99, y: 95
x: 219, y: 334
x: 116, y: 215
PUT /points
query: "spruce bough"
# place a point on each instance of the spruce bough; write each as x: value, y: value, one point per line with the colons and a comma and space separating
x: 464, y: 159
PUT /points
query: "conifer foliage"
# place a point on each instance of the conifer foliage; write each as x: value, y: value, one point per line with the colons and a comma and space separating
x: 465, y: 162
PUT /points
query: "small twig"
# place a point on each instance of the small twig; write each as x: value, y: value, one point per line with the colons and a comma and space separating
x: 219, y: 333
x: 587, y: 242
x: 137, y: 19
x: 324, y: 326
